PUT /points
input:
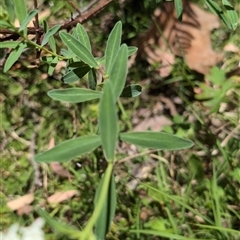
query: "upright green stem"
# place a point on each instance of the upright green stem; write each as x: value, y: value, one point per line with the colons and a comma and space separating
x: 87, y: 231
x: 37, y: 45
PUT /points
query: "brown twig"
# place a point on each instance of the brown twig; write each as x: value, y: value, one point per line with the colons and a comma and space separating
x: 86, y: 8
x: 37, y: 26
x: 37, y: 181
x: 74, y: 6
x: 79, y: 19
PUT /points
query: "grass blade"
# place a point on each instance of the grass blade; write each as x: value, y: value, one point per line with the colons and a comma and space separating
x: 59, y: 226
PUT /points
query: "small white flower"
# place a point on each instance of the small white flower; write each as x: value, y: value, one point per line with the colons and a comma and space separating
x: 12, y: 233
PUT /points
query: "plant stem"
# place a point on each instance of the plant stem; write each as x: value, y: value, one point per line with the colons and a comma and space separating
x: 87, y: 231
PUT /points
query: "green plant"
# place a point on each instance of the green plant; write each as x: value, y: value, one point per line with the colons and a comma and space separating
x: 113, y: 70
x: 213, y: 96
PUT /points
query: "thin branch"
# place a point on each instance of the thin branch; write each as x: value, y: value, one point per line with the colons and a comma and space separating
x: 37, y: 181
x: 79, y: 19
x: 86, y: 8
x: 37, y: 26
x: 74, y: 6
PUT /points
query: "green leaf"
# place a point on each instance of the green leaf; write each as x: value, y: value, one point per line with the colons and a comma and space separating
x: 13, y: 56
x: 69, y: 149
x: 10, y: 9
x: 59, y: 226
x: 214, y: 7
x: 5, y: 24
x: 78, y: 49
x: 131, y: 91
x: 118, y: 73
x: 9, y: 44
x: 76, y: 74
x: 104, y: 220
x: 28, y: 19
x: 108, y: 122
x: 92, y: 79
x: 74, y: 95
x: 156, y: 140
x: 49, y: 33
x: 162, y: 234
x: 217, y: 76
x: 20, y: 9
x: 179, y: 8
x: 196, y: 167
x: 113, y: 45
x: 52, y: 65
x: 83, y: 37
x: 132, y: 50
x: 231, y: 14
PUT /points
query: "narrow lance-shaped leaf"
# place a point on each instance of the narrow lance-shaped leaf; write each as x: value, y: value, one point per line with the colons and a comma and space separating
x: 78, y: 49
x: 83, y: 37
x: 69, y: 149
x: 74, y: 95
x: 49, y: 33
x: 131, y: 91
x: 113, y: 45
x: 20, y: 9
x: 76, y: 74
x: 179, y: 8
x: 13, y: 56
x: 9, y: 44
x: 10, y: 10
x: 213, y: 6
x: 92, y: 79
x: 104, y: 220
x: 108, y: 122
x: 232, y: 14
x: 59, y: 226
x: 28, y: 19
x: 131, y: 50
x: 52, y: 65
x: 156, y: 140
x: 118, y: 73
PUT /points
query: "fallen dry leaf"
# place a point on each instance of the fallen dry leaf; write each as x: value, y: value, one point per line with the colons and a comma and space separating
x: 60, y: 170
x: 231, y: 47
x: 56, y: 166
x: 61, y: 196
x: 25, y: 210
x: 189, y: 38
x: 155, y: 123
x: 20, y: 202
